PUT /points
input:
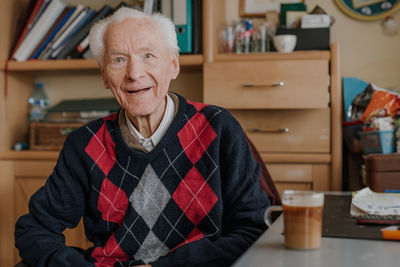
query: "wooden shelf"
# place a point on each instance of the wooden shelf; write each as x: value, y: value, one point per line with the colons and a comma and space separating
x: 82, y: 64
x: 29, y: 155
x: 296, y: 55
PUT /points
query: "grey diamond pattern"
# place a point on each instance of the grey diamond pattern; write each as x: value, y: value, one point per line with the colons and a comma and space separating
x: 149, y: 200
x: 151, y: 249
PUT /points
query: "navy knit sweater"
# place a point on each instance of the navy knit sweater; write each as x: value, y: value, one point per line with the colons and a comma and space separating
x: 194, y: 200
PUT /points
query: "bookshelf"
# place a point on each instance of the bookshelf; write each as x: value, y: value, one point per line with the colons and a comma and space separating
x: 23, y: 171
x: 186, y: 62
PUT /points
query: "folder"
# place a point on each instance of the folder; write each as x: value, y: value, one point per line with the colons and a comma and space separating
x: 197, y: 12
x: 182, y: 18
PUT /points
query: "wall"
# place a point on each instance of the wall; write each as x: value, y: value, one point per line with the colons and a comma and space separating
x: 366, y: 52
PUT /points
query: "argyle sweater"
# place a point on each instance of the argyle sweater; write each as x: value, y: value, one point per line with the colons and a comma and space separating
x: 194, y: 200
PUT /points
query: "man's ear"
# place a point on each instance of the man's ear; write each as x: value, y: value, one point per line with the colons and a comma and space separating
x: 175, y: 65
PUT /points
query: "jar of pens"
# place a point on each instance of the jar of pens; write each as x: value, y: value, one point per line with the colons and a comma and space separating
x: 244, y: 37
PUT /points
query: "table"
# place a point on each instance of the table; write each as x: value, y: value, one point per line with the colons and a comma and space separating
x: 269, y: 250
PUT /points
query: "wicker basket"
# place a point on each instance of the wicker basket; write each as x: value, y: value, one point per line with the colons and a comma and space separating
x: 50, y: 136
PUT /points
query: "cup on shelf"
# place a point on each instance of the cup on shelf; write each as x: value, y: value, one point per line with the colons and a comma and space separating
x: 285, y: 43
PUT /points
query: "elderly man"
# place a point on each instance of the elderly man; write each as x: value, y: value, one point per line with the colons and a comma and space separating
x: 164, y: 182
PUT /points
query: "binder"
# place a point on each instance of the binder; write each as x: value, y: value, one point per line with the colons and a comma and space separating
x: 197, y: 10
x: 182, y: 18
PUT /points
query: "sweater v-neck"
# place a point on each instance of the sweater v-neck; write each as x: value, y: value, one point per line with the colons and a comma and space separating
x: 125, y: 150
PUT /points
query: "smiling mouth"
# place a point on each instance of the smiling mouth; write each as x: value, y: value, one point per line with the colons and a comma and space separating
x: 136, y: 91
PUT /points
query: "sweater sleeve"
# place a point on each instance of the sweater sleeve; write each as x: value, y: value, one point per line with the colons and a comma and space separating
x: 54, y: 207
x: 244, y: 205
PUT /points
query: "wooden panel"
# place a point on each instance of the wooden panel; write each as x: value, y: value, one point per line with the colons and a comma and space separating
x: 34, y: 168
x: 336, y: 107
x: 291, y: 172
x: 7, y: 219
x: 295, y: 55
x: 321, y: 177
x: 309, y: 130
x: 30, y: 175
x: 18, y: 92
x: 83, y: 64
x: 292, y: 186
x: 305, y: 84
x: 24, y: 189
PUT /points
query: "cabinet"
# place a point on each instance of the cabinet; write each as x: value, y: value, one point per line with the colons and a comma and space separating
x: 307, y: 157
x: 289, y: 105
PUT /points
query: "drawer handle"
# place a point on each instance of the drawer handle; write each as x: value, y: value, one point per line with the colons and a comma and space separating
x: 250, y: 85
x: 279, y: 130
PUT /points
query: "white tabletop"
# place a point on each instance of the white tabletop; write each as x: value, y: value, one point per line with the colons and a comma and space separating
x: 269, y: 250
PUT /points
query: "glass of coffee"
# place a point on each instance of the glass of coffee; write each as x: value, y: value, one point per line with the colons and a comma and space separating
x: 302, y: 212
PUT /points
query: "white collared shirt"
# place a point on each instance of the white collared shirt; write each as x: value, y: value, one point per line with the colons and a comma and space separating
x: 152, y: 141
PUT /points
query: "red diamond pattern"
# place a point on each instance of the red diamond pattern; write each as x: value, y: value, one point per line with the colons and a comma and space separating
x: 103, y: 156
x: 112, y: 202
x: 111, y: 117
x: 109, y: 254
x: 197, y: 202
x: 196, y: 234
x: 195, y: 146
x: 197, y: 105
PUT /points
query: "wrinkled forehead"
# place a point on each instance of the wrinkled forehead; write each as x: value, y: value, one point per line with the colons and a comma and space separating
x: 132, y: 30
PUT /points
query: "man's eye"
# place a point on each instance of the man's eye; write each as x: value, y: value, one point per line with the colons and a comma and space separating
x: 148, y: 55
x: 118, y: 59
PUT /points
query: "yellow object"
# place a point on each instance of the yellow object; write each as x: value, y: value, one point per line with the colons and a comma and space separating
x: 391, y: 234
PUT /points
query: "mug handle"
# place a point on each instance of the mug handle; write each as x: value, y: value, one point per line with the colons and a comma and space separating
x: 267, y: 217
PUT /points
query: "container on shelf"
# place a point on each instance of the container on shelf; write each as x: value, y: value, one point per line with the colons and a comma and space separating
x: 383, y: 142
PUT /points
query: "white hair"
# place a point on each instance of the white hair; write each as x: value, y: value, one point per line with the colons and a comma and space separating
x: 96, y: 34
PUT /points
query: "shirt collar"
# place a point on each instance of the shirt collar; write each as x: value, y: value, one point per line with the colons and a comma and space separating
x: 152, y: 141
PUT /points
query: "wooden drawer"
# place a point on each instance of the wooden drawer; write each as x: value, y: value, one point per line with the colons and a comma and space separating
x: 291, y: 173
x: 292, y: 186
x: 252, y: 84
x: 308, y: 130
x: 299, y: 176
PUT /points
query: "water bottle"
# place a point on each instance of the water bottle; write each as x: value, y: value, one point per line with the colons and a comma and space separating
x: 39, y: 103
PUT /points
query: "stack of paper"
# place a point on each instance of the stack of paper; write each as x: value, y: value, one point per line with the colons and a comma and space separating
x: 366, y: 201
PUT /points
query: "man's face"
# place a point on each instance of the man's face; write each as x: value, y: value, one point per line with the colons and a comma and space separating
x: 138, y: 67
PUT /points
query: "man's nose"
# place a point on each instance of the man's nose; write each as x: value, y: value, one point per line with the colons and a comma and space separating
x: 135, y: 68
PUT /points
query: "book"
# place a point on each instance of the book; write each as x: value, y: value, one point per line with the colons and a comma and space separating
x: 66, y: 33
x: 79, y: 41
x: 53, y: 31
x: 42, y: 8
x: 87, y: 54
x: 85, y: 20
x: 24, y: 27
x: 43, y: 24
x: 77, y: 11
